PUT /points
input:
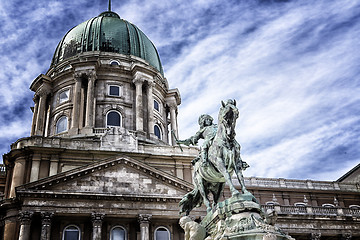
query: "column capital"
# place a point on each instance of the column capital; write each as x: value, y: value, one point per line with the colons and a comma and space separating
x: 46, y: 218
x: 172, y: 105
x: 346, y: 236
x: 25, y: 217
x: 315, y: 236
x: 42, y: 91
x: 36, y: 98
x: 91, y: 74
x: 144, y: 218
x: 138, y: 81
x: 78, y: 75
x: 97, y: 218
x: 150, y: 83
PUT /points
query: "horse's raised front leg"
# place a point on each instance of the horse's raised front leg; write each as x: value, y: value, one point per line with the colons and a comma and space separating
x: 222, y: 168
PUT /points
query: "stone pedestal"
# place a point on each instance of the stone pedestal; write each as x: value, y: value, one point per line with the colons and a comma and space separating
x: 240, y: 218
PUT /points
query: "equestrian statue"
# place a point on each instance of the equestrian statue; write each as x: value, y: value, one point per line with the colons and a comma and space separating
x: 219, y: 158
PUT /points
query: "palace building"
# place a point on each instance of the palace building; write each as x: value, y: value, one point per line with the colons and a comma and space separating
x: 101, y: 160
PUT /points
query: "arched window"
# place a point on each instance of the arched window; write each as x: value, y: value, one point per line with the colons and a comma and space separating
x: 71, y: 232
x: 162, y: 233
x: 61, y: 124
x: 114, y: 63
x: 117, y: 233
x: 156, y: 106
x: 113, y: 119
x: 157, y: 131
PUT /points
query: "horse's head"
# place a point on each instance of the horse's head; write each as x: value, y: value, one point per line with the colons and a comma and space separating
x: 227, y: 117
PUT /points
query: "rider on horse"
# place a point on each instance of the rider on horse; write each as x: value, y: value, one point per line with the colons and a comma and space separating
x: 207, y: 132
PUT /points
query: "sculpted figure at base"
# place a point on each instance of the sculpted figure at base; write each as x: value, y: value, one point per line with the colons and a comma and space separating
x: 220, y: 156
x: 193, y: 230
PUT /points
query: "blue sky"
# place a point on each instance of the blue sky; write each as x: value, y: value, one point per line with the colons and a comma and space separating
x: 292, y: 66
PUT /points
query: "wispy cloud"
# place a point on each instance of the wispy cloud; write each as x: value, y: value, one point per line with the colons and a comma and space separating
x: 292, y: 66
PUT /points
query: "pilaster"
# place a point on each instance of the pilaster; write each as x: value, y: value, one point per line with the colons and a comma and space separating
x: 54, y: 164
x: 46, y: 225
x: 35, y: 167
x: 97, y: 219
x: 144, y: 220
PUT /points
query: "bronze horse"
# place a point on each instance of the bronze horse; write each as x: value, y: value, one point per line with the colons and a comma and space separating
x: 223, y: 160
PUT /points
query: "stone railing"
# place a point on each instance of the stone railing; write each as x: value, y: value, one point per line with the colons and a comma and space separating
x: 100, y: 130
x: 309, y: 210
x: 299, y: 184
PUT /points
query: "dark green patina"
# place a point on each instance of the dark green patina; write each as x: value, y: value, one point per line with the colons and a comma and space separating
x: 108, y: 33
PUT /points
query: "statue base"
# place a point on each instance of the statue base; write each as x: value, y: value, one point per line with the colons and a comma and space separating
x: 240, y: 218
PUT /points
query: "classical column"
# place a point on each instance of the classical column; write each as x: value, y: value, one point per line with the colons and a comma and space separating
x: 139, y: 105
x: 35, y: 167
x: 36, y: 106
x: 97, y: 219
x: 173, y: 108
x: 10, y: 221
x: 90, y: 100
x: 144, y: 220
x: 25, y: 224
x: 76, y: 103
x: 46, y: 225
x: 47, y: 121
x: 54, y: 164
x: 18, y: 175
x: 150, y: 100
x: 41, y: 114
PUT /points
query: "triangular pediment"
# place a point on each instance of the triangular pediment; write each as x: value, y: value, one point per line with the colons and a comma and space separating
x: 116, y: 177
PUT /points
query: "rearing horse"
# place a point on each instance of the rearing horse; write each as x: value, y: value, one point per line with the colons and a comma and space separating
x: 223, y: 160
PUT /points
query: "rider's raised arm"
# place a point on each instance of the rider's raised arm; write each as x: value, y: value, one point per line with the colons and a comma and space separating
x: 193, y: 140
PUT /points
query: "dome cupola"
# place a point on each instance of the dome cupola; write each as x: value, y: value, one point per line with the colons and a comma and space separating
x: 107, y: 33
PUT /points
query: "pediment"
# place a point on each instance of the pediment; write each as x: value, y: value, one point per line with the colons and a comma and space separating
x: 117, y: 177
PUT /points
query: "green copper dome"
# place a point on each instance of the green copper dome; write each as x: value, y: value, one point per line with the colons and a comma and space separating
x: 107, y: 33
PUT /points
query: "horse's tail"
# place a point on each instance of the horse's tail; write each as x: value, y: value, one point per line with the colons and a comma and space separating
x: 189, y: 201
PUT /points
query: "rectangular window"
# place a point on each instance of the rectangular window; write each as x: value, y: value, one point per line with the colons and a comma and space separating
x: 114, y: 90
x: 156, y: 106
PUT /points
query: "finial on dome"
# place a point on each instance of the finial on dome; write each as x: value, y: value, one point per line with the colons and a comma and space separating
x: 109, y: 6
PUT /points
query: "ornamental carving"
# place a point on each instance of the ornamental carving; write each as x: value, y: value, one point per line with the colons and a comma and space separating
x: 144, y: 218
x: 46, y: 218
x: 25, y: 217
x: 97, y: 219
x: 315, y: 236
